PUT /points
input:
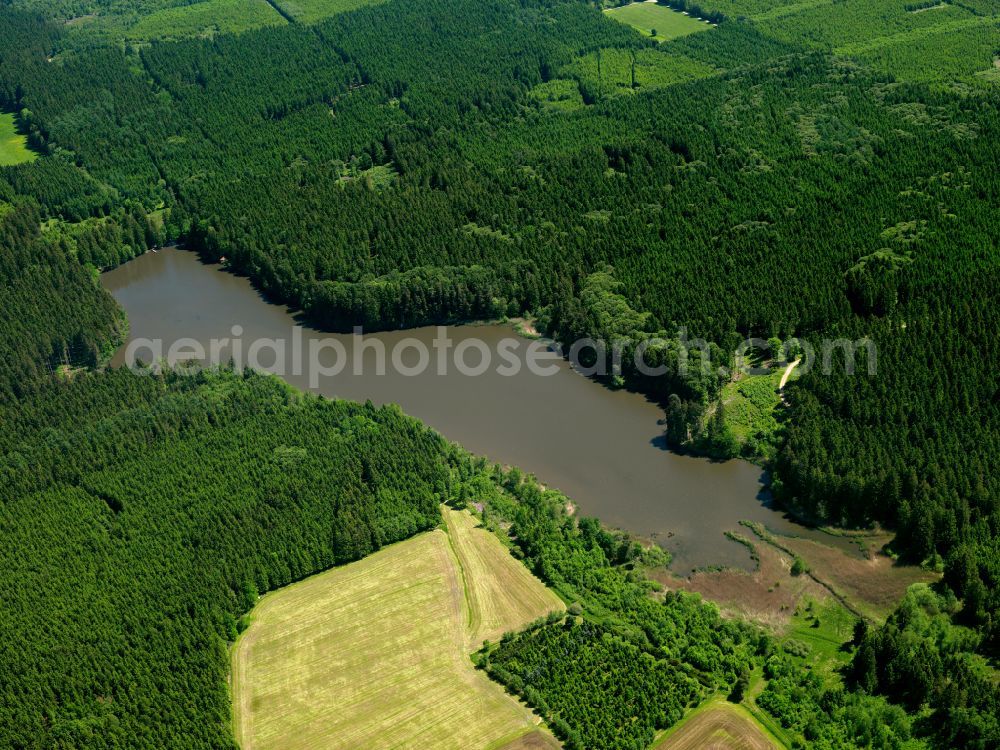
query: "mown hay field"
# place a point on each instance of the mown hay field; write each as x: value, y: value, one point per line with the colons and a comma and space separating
x: 376, y: 653
x: 719, y: 725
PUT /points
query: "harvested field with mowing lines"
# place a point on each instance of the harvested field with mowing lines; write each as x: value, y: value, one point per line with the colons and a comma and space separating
x: 648, y: 17
x: 719, y: 725
x: 501, y: 593
x: 533, y: 741
x: 376, y: 653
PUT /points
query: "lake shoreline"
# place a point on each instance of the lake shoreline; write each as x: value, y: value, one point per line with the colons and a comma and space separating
x: 601, y: 447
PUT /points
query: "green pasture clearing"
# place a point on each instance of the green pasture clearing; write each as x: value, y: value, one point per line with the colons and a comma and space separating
x: 205, y: 19
x: 311, y: 11
x: 158, y: 216
x: 13, y: 146
x: 648, y: 17
x: 376, y: 653
x: 824, y: 626
x: 749, y: 405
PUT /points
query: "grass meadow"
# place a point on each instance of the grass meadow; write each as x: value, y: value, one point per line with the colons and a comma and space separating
x: 648, y: 17
x: 13, y: 146
x: 376, y: 653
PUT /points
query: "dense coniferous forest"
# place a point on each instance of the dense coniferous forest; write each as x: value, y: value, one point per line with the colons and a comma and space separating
x: 813, y: 172
x: 581, y: 694
x: 149, y: 514
x: 55, y: 313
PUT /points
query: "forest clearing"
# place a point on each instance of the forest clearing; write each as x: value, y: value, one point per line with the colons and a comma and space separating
x: 13, y: 146
x: 657, y: 21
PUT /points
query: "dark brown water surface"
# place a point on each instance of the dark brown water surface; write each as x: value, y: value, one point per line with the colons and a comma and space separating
x: 601, y: 447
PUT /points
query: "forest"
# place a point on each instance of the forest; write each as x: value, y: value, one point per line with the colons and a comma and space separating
x: 55, y: 314
x: 626, y: 633
x: 806, y: 171
x: 144, y: 516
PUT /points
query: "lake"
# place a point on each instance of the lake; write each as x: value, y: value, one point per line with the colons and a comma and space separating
x: 601, y: 447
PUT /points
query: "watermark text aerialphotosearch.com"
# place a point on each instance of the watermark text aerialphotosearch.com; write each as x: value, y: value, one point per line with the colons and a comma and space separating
x: 369, y: 355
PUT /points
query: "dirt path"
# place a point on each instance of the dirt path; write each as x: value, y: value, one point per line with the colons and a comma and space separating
x: 784, y: 379
x: 788, y: 373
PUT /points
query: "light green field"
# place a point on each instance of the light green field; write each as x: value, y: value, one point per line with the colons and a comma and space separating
x: 824, y: 626
x: 376, y: 653
x: 311, y: 11
x: 750, y: 404
x: 206, y: 18
x: 13, y: 146
x: 649, y: 17
x: 758, y: 8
